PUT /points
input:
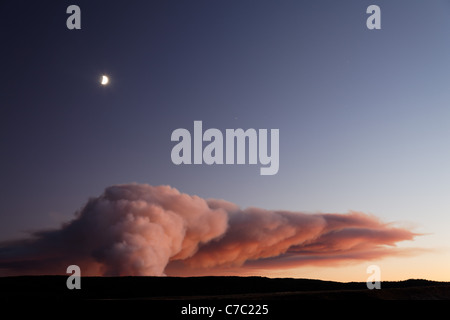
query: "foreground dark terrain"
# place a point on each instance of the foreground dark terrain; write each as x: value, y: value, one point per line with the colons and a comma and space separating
x: 215, y: 288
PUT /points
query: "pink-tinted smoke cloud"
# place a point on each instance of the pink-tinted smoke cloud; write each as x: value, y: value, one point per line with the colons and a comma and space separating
x: 137, y: 229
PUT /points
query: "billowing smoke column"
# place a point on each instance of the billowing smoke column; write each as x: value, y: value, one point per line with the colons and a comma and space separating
x: 137, y: 229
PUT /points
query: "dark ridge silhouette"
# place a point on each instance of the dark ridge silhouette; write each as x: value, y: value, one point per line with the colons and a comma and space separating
x: 215, y: 288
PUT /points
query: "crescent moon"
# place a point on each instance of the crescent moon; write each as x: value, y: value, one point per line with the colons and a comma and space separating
x: 105, y: 80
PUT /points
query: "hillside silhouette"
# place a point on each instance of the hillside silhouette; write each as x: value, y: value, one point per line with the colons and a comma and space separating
x: 216, y: 288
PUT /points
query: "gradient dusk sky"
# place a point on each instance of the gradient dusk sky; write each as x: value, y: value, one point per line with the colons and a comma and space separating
x: 364, y: 115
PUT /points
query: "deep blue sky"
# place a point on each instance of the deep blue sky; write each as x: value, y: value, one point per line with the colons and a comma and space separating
x: 363, y: 115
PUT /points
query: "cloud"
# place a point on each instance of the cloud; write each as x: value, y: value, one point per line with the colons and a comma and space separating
x: 139, y: 230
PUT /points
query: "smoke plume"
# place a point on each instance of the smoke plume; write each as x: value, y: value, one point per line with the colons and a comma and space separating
x: 137, y: 229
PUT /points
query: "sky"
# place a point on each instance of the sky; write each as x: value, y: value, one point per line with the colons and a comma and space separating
x: 363, y: 115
